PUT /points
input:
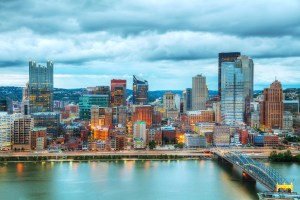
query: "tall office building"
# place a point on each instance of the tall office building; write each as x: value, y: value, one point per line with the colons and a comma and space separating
x: 232, y: 94
x: 139, y: 134
x: 225, y: 57
x: 118, y: 92
x: 169, y: 101
x: 5, y: 130
x: 246, y: 64
x: 140, y: 91
x: 21, y: 132
x: 6, y: 105
x: 99, y: 90
x: 40, y: 87
x: 189, y: 97
x: 87, y: 101
x: 271, y: 108
x: 49, y: 120
x: 143, y: 113
x: 199, y: 93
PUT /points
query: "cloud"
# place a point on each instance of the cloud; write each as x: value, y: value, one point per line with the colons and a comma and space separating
x: 163, y: 40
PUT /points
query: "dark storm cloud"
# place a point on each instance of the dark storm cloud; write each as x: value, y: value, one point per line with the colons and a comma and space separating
x: 11, y: 63
x: 252, y: 18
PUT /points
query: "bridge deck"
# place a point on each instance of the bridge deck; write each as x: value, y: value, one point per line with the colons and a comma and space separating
x: 265, y: 175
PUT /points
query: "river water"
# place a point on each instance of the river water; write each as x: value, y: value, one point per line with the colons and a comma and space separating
x: 145, y: 180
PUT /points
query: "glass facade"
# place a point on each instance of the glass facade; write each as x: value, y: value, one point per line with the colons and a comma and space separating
x: 49, y: 120
x: 87, y: 101
x: 232, y: 95
x: 118, y: 92
x: 40, y: 87
x: 225, y: 57
x: 188, y: 97
x: 140, y: 91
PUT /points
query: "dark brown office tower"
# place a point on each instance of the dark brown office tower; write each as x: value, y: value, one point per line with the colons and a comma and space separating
x: 118, y: 92
x: 271, y: 109
x: 225, y: 57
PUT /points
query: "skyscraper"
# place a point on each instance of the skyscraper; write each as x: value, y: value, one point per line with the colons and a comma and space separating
x: 140, y: 90
x: 40, y: 87
x: 245, y: 63
x: 169, y: 101
x: 199, y: 93
x: 21, y: 133
x: 139, y: 134
x: 247, y: 66
x: 87, y: 101
x: 188, y: 98
x: 232, y: 95
x: 118, y: 92
x: 5, y: 130
x: 225, y: 57
x: 6, y: 105
x: 271, y: 109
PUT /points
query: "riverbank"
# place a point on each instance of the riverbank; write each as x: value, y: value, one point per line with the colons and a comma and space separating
x: 284, y: 157
x: 136, y: 155
x: 99, y: 157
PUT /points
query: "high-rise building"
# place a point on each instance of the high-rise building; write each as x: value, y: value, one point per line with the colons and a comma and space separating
x: 6, y: 105
x: 101, y: 116
x: 177, y: 101
x: 21, y: 132
x: 232, y: 94
x: 271, y: 108
x: 140, y: 90
x: 87, y: 101
x: 169, y: 101
x: 5, y: 130
x: 143, y: 113
x: 188, y: 98
x: 49, y: 120
x: 118, y: 92
x: 139, y: 134
x: 199, y: 93
x: 40, y: 87
x: 246, y: 64
x: 291, y: 106
x: 225, y: 57
x: 99, y: 90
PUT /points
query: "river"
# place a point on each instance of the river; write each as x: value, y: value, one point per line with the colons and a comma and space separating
x: 145, y: 180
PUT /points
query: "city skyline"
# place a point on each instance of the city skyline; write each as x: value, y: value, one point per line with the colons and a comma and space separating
x: 148, y: 39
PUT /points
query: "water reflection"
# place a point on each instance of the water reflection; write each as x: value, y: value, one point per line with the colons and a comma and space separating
x: 150, y: 180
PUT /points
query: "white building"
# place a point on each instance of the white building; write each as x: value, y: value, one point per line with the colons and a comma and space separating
x: 139, y: 134
x: 199, y: 93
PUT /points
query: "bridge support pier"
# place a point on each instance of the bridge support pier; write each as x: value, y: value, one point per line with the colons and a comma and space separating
x: 247, y: 178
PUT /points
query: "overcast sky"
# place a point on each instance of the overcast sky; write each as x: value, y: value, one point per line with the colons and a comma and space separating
x: 164, y: 41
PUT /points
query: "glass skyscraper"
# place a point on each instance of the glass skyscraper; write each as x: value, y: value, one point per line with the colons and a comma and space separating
x: 225, y: 57
x: 40, y: 87
x: 140, y: 91
x: 246, y: 64
x: 118, y: 92
x: 188, y: 96
x: 87, y: 101
x: 232, y: 94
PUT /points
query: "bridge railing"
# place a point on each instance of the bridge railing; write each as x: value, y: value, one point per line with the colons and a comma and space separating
x: 262, y: 173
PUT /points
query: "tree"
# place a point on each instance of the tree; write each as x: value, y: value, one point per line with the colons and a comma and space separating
x: 152, y: 144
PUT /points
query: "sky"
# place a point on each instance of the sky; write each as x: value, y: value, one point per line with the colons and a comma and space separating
x: 166, y: 42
